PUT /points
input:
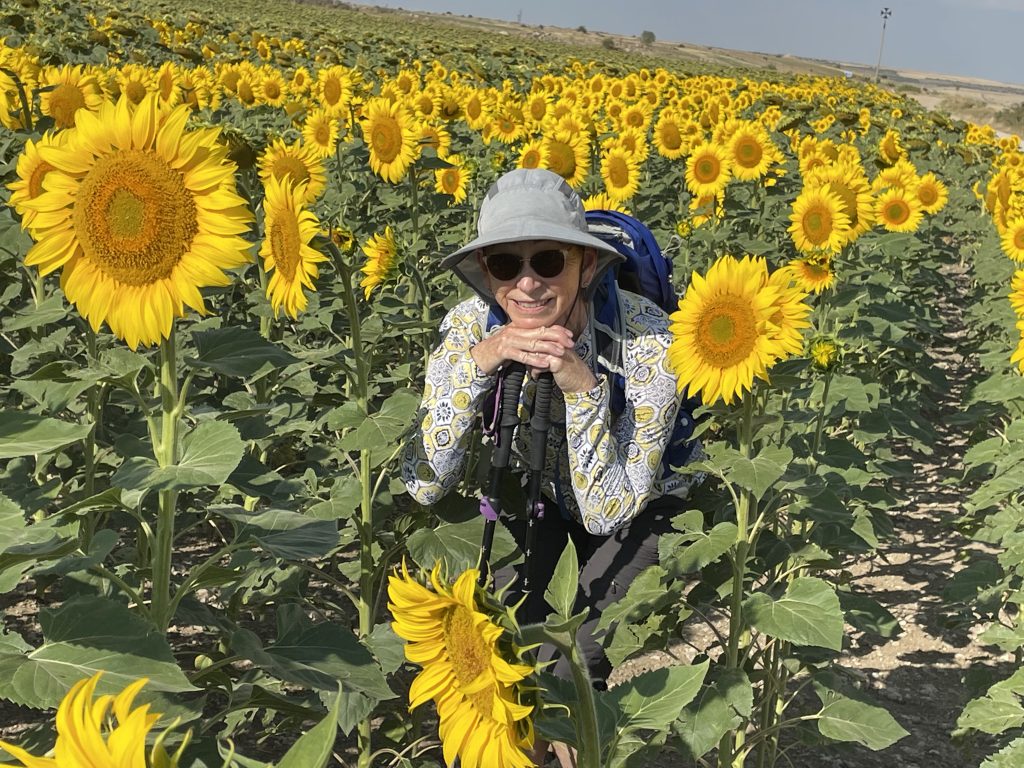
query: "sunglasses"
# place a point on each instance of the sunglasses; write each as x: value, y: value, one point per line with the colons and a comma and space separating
x: 507, y: 266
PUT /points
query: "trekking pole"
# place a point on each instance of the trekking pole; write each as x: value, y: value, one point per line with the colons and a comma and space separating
x: 540, y: 421
x: 508, y: 420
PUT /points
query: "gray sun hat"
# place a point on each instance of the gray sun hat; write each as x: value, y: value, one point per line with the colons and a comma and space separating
x: 528, y: 204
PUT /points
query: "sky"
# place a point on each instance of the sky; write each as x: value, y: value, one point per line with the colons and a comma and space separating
x: 971, y: 38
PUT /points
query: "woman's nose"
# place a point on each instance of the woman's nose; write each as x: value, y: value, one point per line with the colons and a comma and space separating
x: 527, y: 281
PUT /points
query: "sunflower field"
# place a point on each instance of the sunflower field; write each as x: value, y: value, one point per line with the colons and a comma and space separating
x: 219, y: 256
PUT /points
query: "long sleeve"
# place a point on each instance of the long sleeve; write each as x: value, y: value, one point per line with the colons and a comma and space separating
x: 615, y: 462
x: 453, y: 392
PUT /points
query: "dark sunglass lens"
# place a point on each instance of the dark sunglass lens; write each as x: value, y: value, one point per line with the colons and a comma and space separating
x: 503, y: 266
x: 548, y: 263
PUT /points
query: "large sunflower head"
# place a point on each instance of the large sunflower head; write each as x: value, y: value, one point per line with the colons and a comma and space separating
x: 669, y: 138
x: 818, y: 224
x: 287, y: 256
x: 813, y: 274
x: 320, y: 132
x: 568, y: 158
x: 470, y: 669
x: 390, y: 135
x: 707, y: 170
x: 453, y: 180
x: 139, y: 214
x: 69, y: 89
x: 620, y: 173
x: 932, y: 194
x: 751, y: 152
x: 297, y: 162
x: 722, y: 332
x: 898, y: 211
x: 1012, y: 239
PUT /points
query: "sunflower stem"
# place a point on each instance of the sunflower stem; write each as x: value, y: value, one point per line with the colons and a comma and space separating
x: 731, y: 744
x: 88, y: 524
x: 366, y: 580
x: 166, y: 455
x: 819, y: 426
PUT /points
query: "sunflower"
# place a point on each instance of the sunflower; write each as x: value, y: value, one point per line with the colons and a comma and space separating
x: 390, y: 135
x: 1012, y: 239
x: 453, y: 180
x: 620, y: 173
x: 707, y: 170
x: 932, y: 194
x: 320, y: 132
x: 846, y: 180
x: 140, y: 214
x: 534, y: 154
x: 790, y: 315
x: 286, y: 253
x: 135, y: 82
x: 669, y: 138
x: 476, y: 689
x: 31, y: 170
x: 381, y: 260
x: 88, y: 738
x: 813, y: 274
x: 508, y: 123
x: 898, y: 211
x: 297, y: 162
x: 568, y: 158
x: 1018, y: 355
x: 168, y: 82
x: 818, y: 222
x: 890, y: 149
x: 70, y: 89
x: 825, y: 353
x: 434, y: 136
x: 334, y: 89
x: 603, y: 202
x: 722, y: 337
x: 272, y: 89
x: 751, y: 152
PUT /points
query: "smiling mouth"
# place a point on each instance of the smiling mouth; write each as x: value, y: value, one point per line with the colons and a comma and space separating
x: 531, y: 305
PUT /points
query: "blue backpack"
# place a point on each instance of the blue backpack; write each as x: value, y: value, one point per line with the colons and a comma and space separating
x: 648, y: 273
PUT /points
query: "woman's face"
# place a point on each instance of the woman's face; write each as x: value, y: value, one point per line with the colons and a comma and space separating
x: 536, y: 281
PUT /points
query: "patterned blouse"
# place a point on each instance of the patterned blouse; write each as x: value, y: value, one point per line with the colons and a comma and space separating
x: 603, y: 469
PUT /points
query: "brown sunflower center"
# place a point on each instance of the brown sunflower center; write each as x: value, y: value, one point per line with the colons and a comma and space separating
x: 707, y: 169
x: 749, y: 152
x: 561, y: 159
x: 65, y: 100
x: 285, y: 244
x: 271, y: 90
x: 332, y: 91
x: 386, y: 138
x: 322, y: 133
x: 245, y: 92
x: 927, y: 194
x: 670, y: 137
x: 618, y: 173
x: 289, y: 166
x: 1018, y: 239
x: 817, y: 223
x: 450, y: 181
x: 469, y: 654
x: 35, y: 179
x: 531, y: 159
x: 134, y: 217
x: 726, y: 331
x: 897, y: 212
x: 135, y: 91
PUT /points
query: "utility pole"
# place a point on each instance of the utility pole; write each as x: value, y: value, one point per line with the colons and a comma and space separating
x: 886, y: 13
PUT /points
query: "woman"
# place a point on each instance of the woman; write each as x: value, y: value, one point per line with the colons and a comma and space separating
x: 535, y: 266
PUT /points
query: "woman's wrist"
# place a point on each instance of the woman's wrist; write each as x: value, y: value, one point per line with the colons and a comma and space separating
x: 480, y: 352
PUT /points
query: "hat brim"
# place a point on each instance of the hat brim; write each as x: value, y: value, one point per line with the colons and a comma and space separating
x: 463, y: 263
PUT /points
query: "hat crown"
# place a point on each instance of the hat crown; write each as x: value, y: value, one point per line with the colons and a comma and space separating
x: 528, y: 198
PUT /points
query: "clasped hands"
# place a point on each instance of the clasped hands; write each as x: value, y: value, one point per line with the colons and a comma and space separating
x: 548, y: 349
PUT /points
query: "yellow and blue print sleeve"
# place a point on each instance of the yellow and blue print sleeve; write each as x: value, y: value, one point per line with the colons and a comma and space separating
x: 615, y: 462
x: 453, y: 392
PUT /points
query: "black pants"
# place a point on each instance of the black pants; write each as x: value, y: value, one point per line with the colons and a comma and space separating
x: 608, y: 565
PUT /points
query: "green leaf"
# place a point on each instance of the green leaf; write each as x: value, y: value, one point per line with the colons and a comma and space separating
x: 237, y: 352
x: 1010, y: 756
x: 968, y: 583
x: 315, y: 746
x: 284, y: 534
x: 845, y: 719
x: 808, y: 613
x: 210, y: 452
x: 565, y: 581
x: 27, y: 434
x: 49, y: 311
x: 756, y: 474
x: 680, y: 558
x: 83, y: 636
x: 998, y: 710
x: 458, y: 544
x: 386, y: 425
x: 724, y: 704
x: 654, y: 699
